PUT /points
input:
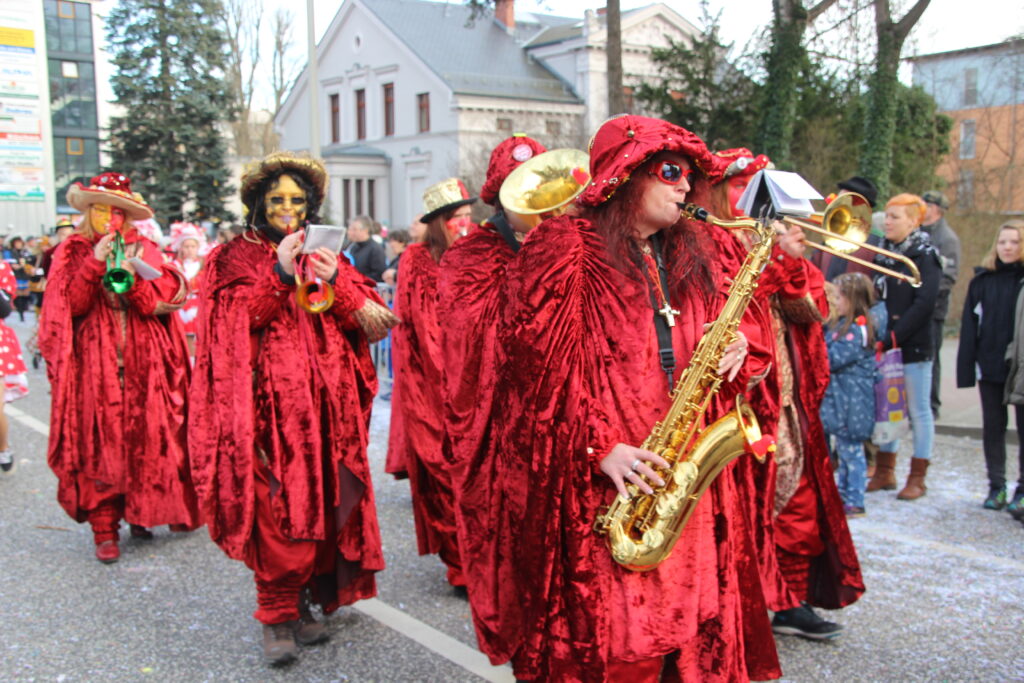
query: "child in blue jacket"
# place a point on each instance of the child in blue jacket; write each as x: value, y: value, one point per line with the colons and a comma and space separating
x: 848, y: 409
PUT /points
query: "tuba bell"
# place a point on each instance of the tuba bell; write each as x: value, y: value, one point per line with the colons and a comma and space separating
x: 544, y: 186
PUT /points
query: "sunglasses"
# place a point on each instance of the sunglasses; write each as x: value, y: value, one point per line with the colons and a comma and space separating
x: 671, y: 174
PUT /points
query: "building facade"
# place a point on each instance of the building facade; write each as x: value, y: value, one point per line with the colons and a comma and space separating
x: 411, y: 92
x: 982, y: 89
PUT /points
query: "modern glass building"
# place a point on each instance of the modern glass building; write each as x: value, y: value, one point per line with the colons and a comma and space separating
x: 72, y: 74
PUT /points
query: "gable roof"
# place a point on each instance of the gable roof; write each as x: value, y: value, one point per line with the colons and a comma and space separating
x: 478, y: 58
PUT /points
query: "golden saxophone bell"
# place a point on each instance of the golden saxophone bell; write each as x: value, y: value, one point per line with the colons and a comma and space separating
x: 543, y: 186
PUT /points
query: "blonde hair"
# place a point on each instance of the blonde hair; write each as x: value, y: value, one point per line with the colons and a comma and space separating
x: 913, y: 203
x: 991, y: 258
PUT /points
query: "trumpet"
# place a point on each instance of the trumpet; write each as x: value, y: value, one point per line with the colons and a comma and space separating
x: 844, y: 227
x: 117, y: 279
x: 313, y: 295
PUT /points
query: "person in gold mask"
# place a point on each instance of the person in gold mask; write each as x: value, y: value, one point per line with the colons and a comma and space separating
x: 119, y: 371
x: 280, y: 410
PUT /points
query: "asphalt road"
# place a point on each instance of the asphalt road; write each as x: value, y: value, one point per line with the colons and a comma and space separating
x: 945, y: 596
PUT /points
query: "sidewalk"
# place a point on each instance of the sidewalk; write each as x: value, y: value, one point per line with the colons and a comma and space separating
x: 960, y: 414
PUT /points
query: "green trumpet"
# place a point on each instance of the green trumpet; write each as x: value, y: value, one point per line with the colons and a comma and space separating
x: 117, y: 279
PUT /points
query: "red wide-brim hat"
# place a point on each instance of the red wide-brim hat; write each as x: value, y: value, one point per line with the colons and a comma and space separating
x: 81, y: 197
x: 624, y: 143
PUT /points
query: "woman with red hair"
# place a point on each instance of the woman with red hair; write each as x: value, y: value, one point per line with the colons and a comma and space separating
x: 910, y: 312
x: 583, y: 379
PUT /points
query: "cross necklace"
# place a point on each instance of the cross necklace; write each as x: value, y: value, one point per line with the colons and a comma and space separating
x: 666, y: 310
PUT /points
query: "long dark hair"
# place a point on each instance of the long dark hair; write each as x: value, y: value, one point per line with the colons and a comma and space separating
x: 687, y: 245
x: 437, y: 238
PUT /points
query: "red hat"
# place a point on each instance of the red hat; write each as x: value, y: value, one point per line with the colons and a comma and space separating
x: 112, y: 189
x: 742, y: 162
x: 504, y: 159
x: 625, y: 142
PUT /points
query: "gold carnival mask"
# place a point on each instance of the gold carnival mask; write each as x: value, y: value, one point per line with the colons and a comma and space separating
x: 105, y: 218
x: 285, y: 205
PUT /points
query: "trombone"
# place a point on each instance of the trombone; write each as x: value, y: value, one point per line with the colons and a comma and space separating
x: 844, y: 227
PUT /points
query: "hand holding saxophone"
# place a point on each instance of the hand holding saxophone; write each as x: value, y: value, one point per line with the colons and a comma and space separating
x: 733, y: 358
x: 628, y: 463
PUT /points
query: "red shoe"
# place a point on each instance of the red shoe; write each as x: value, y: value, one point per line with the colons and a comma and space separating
x: 179, y: 528
x: 108, y: 552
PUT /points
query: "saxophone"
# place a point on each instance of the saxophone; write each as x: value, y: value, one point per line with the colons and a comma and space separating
x: 642, y: 530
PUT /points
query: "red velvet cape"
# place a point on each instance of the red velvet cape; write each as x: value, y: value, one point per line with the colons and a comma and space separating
x: 417, y: 404
x: 128, y: 435
x: 294, y: 389
x: 835, y: 579
x: 581, y: 373
x: 471, y: 301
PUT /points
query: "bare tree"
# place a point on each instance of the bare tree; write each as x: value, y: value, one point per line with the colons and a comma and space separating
x: 241, y: 21
x: 613, y: 23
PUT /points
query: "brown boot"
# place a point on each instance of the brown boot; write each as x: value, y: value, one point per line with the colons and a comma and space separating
x: 279, y: 643
x: 915, y: 487
x: 308, y: 631
x: 884, y: 478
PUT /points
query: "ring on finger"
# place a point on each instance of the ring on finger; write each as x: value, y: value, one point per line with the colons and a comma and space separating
x: 636, y: 463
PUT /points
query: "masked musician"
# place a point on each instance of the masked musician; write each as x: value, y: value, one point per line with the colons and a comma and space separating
x: 582, y: 382
x: 415, y: 445
x: 119, y: 372
x: 470, y: 304
x: 799, y: 521
x: 281, y: 406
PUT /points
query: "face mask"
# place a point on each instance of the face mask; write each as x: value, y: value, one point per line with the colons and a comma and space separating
x: 106, y: 218
x: 458, y: 225
x: 285, y: 205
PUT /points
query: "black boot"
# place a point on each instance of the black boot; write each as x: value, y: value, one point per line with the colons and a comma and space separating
x: 308, y: 631
x: 279, y: 643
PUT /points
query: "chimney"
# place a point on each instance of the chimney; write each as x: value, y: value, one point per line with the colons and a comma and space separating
x: 505, y: 13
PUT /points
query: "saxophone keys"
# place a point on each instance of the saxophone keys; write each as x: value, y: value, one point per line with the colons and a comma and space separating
x: 654, y: 538
x: 684, y: 475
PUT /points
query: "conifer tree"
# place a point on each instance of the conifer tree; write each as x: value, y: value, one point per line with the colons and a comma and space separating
x: 170, y: 59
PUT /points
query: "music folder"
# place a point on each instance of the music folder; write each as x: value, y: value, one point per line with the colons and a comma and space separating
x: 780, y: 192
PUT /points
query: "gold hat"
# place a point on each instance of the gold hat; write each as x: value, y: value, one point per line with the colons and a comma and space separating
x: 312, y: 170
x: 446, y: 195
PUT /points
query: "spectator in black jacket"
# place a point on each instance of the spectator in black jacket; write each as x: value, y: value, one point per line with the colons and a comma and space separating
x: 910, y: 312
x: 367, y: 254
x: 986, y: 331
x: 947, y: 244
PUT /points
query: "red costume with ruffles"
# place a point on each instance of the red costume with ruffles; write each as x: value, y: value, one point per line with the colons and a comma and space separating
x: 471, y: 302
x: 280, y: 408
x: 417, y: 408
x: 815, y: 552
x: 581, y: 373
x: 12, y: 364
x: 119, y: 373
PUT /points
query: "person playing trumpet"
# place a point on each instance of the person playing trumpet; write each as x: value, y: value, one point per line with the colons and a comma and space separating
x: 280, y: 410
x: 119, y: 371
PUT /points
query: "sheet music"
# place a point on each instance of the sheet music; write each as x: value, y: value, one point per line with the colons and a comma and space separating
x: 788, y: 192
x: 330, y: 236
x: 143, y: 269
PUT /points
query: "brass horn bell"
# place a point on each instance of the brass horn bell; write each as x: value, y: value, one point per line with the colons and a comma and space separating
x: 544, y: 186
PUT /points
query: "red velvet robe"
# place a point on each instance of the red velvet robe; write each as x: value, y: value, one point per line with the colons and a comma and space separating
x: 580, y: 374
x: 835, y: 579
x: 471, y: 301
x: 128, y: 435
x: 417, y: 408
x: 295, y: 390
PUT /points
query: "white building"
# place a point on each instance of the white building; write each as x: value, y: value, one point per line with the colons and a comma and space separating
x: 412, y: 92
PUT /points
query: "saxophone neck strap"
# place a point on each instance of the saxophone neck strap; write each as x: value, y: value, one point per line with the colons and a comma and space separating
x: 504, y: 228
x: 664, y: 314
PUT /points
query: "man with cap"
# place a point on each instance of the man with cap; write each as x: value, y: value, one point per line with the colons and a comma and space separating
x: 119, y: 372
x: 415, y: 445
x: 945, y: 240
x: 800, y: 524
x: 582, y: 380
x: 469, y: 302
x: 280, y: 410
